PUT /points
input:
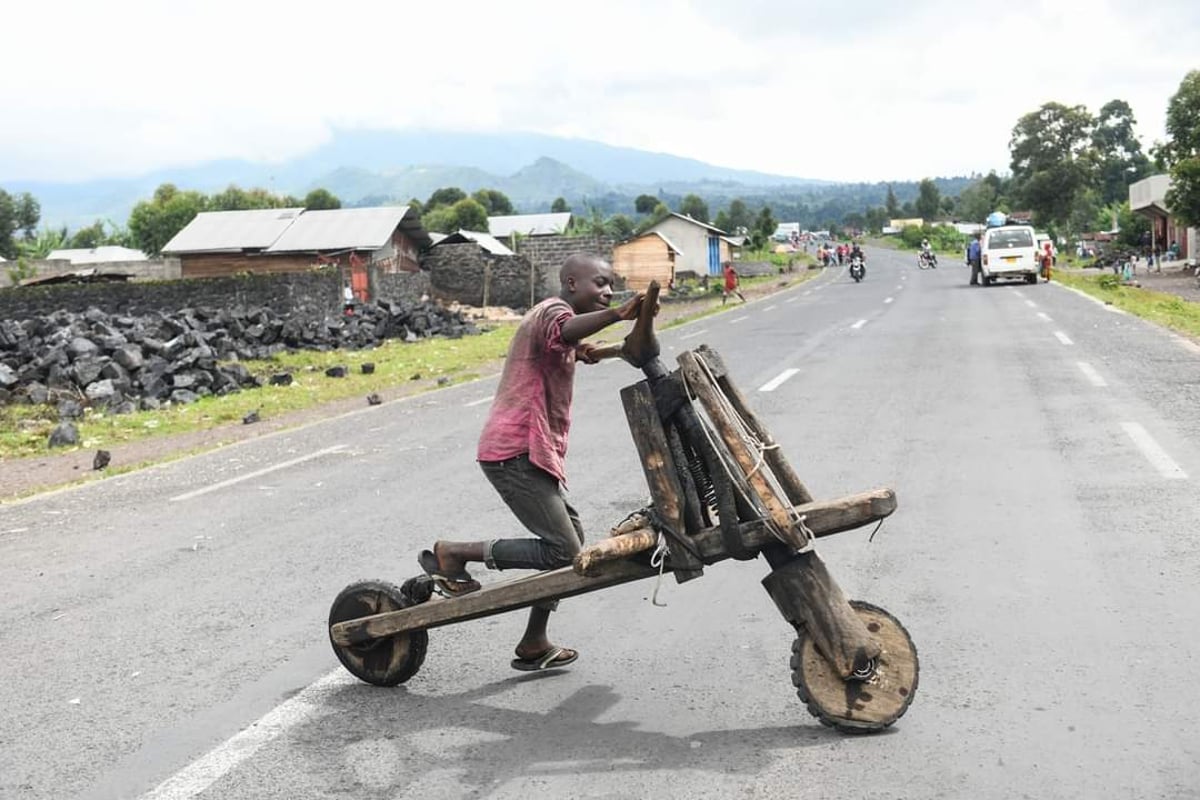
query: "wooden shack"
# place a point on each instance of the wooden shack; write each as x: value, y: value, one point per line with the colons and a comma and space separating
x: 648, y: 257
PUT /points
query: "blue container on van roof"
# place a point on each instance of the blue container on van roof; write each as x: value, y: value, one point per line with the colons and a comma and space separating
x: 996, y: 219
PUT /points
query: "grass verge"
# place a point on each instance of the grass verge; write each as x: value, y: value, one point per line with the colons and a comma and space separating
x: 1163, y: 308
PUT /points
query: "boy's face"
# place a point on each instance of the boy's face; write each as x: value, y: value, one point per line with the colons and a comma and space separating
x: 590, y: 287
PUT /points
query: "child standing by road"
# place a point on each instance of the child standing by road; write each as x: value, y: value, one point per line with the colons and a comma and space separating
x: 524, y: 444
x: 731, y: 283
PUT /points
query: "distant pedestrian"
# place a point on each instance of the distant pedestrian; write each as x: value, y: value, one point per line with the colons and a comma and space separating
x: 974, y: 259
x: 731, y: 283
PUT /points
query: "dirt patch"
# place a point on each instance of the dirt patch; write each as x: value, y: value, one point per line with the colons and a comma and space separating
x: 24, y: 476
x: 1177, y: 280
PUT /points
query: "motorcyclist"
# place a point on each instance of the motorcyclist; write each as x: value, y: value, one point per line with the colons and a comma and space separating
x: 926, y: 255
x: 856, y: 252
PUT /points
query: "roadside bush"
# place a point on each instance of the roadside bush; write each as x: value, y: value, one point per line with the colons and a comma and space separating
x: 942, y: 237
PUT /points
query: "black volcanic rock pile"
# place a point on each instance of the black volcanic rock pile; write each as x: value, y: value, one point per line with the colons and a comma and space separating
x: 121, y: 363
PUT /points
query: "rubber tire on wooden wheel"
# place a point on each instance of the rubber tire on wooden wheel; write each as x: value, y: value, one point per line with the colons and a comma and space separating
x: 389, y: 661
x: 859, y: 706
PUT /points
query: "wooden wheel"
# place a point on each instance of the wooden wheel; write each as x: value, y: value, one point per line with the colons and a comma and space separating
x: 855, y: 705
x: 383, y: 662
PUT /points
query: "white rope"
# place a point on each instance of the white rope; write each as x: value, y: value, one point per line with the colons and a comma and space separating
x: 659, y: 559
x: 748, y: 436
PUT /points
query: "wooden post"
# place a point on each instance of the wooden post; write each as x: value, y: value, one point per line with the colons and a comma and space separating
x: 807, y: 595
x: 588, y: 561
x: 661, y: 478
x: 710, y: 397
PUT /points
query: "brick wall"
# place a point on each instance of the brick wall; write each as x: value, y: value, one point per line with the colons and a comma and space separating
x: 547, y: 253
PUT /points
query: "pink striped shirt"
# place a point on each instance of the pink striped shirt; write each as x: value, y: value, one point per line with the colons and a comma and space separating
x: 531, y: 412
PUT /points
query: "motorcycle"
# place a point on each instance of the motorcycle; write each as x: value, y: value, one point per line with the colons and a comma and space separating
x: 926, y: 259
x: 858, y: 270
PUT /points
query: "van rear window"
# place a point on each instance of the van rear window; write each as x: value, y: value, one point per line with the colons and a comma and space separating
x: 1005, y: 239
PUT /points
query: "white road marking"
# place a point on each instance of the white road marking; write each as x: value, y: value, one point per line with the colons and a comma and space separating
x: 770, y: 308
x: 694, y: 334
x: 1090, y: 373
x: 793, y: 298
x: 202, y: 773
x: 1031, y: 304
x: 859, y: 324
x: 337, y: 448
x: 1154, y: 453
x: 808, y: 292
x: 1017, y: 292
x: 778, y: 380
x: 885, y: 302
x: 737, y: 320
x: 1045, y: 316
x: 480, y: 401
x: 1062, y: 337
x: 899, y: 286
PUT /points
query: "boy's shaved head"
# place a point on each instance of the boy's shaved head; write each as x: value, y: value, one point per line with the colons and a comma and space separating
x: 579, y: 265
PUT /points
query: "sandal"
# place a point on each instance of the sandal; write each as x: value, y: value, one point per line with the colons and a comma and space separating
x: 553, y: 658
x: 446, y: 584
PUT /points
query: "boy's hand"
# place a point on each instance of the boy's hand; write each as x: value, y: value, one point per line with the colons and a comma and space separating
x: 631, y: 307
x: 586, y: 353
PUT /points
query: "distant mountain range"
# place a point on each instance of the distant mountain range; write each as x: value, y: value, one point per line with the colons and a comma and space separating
x: 377, y: 167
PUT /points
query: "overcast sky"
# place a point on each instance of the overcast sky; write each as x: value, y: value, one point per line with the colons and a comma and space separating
x: 851, y: 90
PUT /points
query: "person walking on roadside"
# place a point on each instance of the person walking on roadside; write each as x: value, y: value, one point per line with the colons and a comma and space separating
x: 974, y: 259
x: 731, y: 283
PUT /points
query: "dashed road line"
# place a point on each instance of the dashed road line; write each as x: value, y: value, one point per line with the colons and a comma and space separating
x: 337, y: 448
x: 890, y: 299
x: 793, y: 298
x: 770, y: 308
x: 1031, y: 304
x: 482, y: 400
x: 1045, y: 316
x: 738, y: 319
x: 1062, y: 337
x: 694, y: 334
x: 778, y: 380
x: 1090, y: 373
x: 1153, y: 452
x: 197, y: 777
x: 858, y: 324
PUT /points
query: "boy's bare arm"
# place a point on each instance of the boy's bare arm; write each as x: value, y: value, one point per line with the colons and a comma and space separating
x: 581, y: 326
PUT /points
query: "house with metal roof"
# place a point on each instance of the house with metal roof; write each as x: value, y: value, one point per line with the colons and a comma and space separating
x: 220, y: 243
x: 529, y: 224
x: 648, y: 257
x: 703, y: 246
x: 486, y: 242
x: 97, y: 255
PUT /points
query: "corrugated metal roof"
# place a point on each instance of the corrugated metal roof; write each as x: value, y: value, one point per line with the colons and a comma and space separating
x: 340, y: 229
x: 670, y: 245
x: 97, y: 255
x: 697, y: 222
x: 216, y: 231
x: 529, y: 224
x: 484, y: 240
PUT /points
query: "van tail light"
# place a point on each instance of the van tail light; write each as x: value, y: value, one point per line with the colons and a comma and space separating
x: 985, y: 261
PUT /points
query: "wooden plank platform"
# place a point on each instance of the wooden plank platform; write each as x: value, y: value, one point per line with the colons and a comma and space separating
x: 822, y: 518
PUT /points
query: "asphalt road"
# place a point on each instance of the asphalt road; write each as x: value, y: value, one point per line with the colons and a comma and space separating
x: 163, y: 631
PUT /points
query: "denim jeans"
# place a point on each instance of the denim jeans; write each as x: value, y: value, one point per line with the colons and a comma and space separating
x: 537, y: 500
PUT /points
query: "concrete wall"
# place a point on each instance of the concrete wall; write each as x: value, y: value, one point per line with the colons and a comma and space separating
x: 316, y: 292
x: 547, y: 254
x: 158, y: 269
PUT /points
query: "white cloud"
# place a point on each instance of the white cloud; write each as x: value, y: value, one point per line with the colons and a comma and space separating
x: 864, y: 92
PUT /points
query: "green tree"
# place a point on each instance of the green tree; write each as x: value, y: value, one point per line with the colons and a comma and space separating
x: 929, y: 200
x: 321, y: 199
x: 1052, y: 160
x: 440, y: 220
x: 892, y: 205
x: 8, y: 225
x: 620, y: 226
x: 89, y: 238
x: 43, y: 242
x: 977, y: 201
x: 764, y: 227
x: 695, y: 207
x: 645, y: 203
x: 1119, y: 156
x: 495, y: 201
x: 154, y: 222
x: 447, y: 196
x: 559, y: 205
x: 1182, y: 150
x: 470, y: 215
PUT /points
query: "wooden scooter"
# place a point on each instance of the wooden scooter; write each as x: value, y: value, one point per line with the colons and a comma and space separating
x: 720, y: 489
